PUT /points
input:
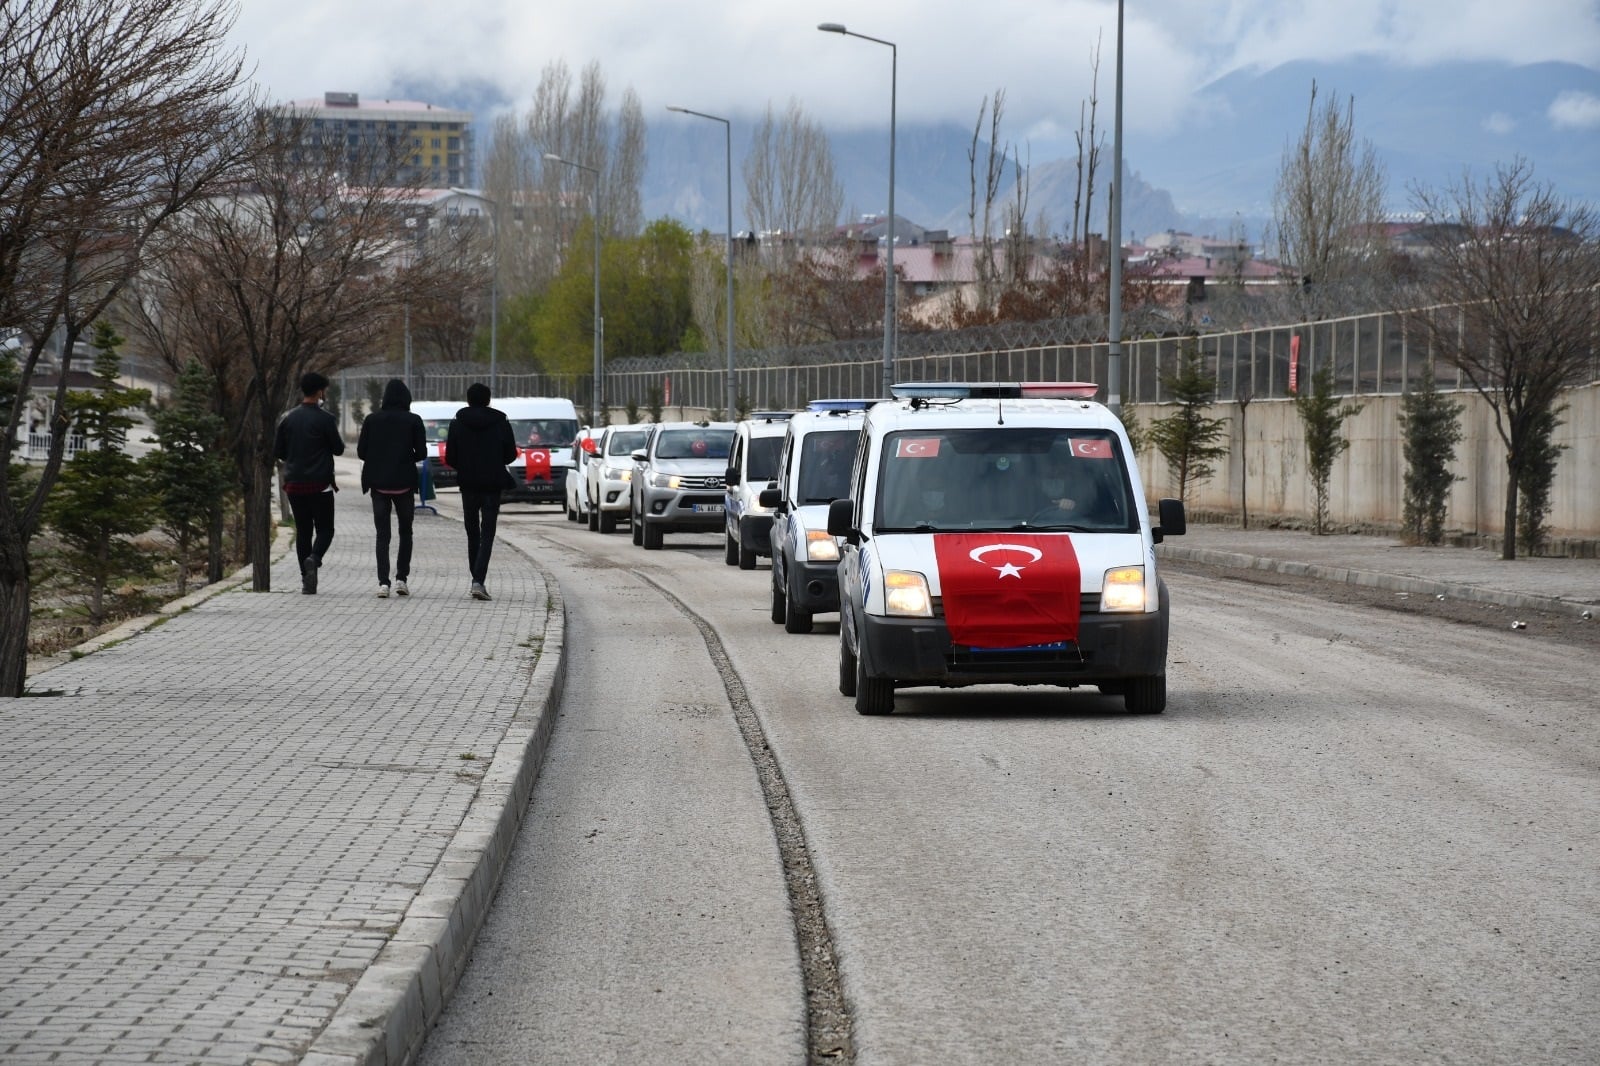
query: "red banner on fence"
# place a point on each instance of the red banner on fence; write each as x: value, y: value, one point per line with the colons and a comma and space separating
x: 1294, y: 362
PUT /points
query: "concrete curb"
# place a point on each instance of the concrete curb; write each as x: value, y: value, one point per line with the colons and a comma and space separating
x: 1380, y: 580
x: 387, y: 1014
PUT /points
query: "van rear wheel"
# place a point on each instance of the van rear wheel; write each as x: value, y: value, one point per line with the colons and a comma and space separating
x: 730, y: 549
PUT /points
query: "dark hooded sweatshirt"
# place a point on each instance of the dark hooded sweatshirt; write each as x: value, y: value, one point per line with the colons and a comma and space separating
x: 478, y: 447
x: 392, y: 443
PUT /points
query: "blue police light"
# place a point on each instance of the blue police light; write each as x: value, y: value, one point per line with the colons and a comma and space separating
x: 994, y: 390
x: 840, y: 405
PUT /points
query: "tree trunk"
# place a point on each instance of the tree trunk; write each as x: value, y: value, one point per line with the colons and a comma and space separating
x: 214, y: 533
x: 14, y: 615
x: 258, y: 525
x: 1508, y: 544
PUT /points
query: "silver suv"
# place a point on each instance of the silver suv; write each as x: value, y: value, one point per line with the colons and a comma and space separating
x: 677, y: 483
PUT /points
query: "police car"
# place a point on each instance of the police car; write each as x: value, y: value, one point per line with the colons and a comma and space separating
x: 814, y: 470
x: 753, y: 463
x: 997, y: 533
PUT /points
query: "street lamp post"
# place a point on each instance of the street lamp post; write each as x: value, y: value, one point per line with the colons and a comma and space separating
x: 1114, y: 318
x: 888, y: 275
x: 595, y: 403
x: 727, y: 129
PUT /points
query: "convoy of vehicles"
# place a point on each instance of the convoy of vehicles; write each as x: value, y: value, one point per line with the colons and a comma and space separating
x: 966, y: 533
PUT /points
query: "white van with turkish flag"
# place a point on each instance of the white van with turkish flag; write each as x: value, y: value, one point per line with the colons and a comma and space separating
x: 546, y: 431
x: 997, y: 533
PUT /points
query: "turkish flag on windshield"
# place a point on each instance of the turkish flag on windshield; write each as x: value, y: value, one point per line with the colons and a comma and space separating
x: 536, y: 464
x: 1008, y: 590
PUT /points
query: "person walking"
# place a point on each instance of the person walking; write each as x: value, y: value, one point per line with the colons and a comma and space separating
x: 390, y: 446
x: 307, y: 439
x: 478, y: 447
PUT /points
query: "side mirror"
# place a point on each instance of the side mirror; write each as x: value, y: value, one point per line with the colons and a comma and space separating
x: 770, y: 498
x: 731, y: 478
x: 1173, y: 523
x: 840, y: 512
x: 637, y: 455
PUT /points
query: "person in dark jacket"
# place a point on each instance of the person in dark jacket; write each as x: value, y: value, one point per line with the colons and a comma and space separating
x: 307, y: 439
x: 478, y: 447
x: 390, y: 446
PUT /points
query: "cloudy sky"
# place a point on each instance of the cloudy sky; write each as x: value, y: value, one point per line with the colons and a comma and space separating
x: 732, y: 57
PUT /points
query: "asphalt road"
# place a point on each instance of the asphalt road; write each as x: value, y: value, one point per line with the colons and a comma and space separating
x: 1358, y: 834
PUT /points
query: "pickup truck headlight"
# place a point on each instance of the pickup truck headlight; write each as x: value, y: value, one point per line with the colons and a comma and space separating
x: 906, y: 594
x: 1123, y: 589
x: 820, y: 547
x: 664, y: 481
x: 618, y: 473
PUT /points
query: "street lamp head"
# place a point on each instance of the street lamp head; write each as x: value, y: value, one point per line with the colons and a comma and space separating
x: 675, y: 107
x: 554, y: 158
x: 832, y: 27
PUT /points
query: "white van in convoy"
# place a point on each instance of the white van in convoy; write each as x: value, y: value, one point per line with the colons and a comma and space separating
x: 998, y: 534
x: 752, y: 466
x: 436, y: 416
x: 546, y: 431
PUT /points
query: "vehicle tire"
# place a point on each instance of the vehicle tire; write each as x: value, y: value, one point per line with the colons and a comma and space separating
x: 636, y: 527
x: 572, y: 516
x: 779, y: 601
x: 747, y: 558
x: 847, y: 669
x: 730, y: 549
x: 1146, y: 695
x: 594, y: 520
x: 650, y: 536
x: 607, y: 522
x: 794, y: 619
x: 874, y: 695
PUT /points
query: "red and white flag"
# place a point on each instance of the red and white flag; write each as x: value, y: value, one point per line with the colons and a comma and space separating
x: 536, y: 464
x: 1008, y: 590
x: 1091, y: 447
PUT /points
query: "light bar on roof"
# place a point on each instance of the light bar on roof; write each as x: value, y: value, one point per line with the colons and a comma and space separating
x: 840, y: 405
x: 992, y: 390
x: 770, y: 416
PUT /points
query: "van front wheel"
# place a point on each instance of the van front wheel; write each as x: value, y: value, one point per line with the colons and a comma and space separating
x: 1145, y: 695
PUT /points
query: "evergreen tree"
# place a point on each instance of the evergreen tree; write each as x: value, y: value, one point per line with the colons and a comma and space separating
x: 1538, y: 477
x: 1323, y: 415
x: 1187, y: 439
x: 190, y: 478
x: 101, y: 498
x: 1430, y: 432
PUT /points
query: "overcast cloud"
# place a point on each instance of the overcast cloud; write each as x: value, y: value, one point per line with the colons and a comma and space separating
x: 734, y: 56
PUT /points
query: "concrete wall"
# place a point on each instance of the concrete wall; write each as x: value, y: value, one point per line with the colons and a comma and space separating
x: 1367, y: 487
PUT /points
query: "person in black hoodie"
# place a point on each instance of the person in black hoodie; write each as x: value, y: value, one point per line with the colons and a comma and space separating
x: 306, y: 441
x: 391, y: 444
x: 477, y: 448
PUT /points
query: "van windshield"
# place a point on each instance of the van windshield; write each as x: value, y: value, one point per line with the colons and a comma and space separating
x: 763, y: 458
x: 544, y: 432
x: 1027, y: 479
x: 436, y: 429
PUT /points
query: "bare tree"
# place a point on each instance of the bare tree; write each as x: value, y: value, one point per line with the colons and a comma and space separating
x: 293, y: 271
x: 1327, y: 211
x: 114, y: 117
x: 983, y: 190
x: 789, y: 182
x: 1512, y: 271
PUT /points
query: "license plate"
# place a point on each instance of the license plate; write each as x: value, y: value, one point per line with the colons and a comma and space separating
x: 1058, y: 645
x: 708, y: 508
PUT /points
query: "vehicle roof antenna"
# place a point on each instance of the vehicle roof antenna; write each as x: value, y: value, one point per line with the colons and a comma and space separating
x: 999, y: 411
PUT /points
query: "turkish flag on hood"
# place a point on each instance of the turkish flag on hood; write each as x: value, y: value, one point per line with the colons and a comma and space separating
x: 1008, y: 590
x: 536, y: 464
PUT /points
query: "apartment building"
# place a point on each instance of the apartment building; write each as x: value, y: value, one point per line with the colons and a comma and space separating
x: 441, y: 138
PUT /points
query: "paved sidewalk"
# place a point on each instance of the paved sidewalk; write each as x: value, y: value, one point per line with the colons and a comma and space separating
x: 266, y: 830
x: 1565, y: 586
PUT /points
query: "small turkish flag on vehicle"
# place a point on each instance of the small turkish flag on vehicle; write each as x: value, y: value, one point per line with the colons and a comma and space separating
x: 1091, y: 447
x: 536, y: 464
x: 1008, y: 590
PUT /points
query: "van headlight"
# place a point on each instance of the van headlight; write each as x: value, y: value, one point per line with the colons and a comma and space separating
x: 820, y: 547
x: 905, y: 593
x: 1123, y: 589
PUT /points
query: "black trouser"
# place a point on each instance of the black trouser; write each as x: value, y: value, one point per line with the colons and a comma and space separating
x: 313, y: 525
x: 480, y: 511
x: 404, y: 511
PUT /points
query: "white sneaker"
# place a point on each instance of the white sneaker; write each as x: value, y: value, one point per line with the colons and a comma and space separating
x: 400, y: 589
x: 383, y: 592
